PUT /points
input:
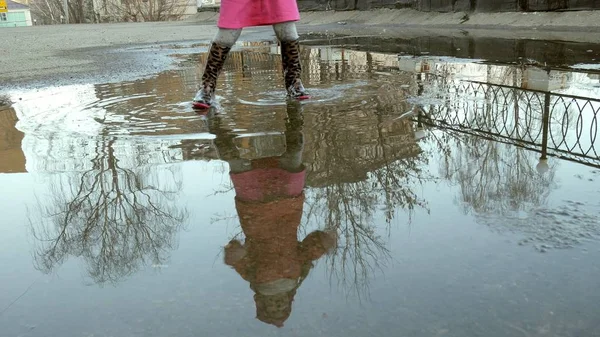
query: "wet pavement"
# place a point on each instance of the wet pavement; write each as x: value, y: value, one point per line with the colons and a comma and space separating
x: 419, y: 194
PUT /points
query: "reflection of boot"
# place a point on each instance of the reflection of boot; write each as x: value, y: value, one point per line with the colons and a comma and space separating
x: 291, y: 159
x: 290, y: 56
x: 216, y: 58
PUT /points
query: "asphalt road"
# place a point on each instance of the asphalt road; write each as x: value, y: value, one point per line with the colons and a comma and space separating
x: 61, y: 54
x: 100, y: 53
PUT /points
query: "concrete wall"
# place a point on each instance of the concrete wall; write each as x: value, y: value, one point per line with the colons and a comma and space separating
x: 451, y: 5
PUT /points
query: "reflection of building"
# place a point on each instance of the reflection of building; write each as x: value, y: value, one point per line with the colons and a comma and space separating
x: 18, y: 15
x: 524, y: 77
x: 417, y: 65
x: 348, y: 155
x: 448, y: 69
x: 540, y: 79
x: 12, y: 158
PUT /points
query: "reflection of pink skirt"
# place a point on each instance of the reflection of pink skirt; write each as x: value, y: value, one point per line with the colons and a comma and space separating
x: 235, y: 14
x: 266, y: 184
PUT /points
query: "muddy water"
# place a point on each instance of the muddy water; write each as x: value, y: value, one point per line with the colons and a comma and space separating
x: 407, y: 197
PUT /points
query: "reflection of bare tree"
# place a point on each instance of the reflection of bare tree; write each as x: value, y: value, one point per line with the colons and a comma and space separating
x: 494, y: 177
x: 348, y: 210
x: 488, y: 132
x: 116, y: 218
x: 486, y: 153
x: 500, y: 185
x: 353, y: 189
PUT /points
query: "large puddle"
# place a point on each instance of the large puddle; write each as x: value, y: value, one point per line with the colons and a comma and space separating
x: 412, y: 196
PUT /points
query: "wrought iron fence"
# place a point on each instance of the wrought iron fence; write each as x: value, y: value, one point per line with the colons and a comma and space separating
x: 554, y: 124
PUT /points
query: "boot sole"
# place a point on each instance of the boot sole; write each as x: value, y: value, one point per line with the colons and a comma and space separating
x: 200, y: 105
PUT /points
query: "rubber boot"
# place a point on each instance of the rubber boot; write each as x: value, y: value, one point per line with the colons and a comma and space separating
x: 290, y: 57
x: 214, y: 64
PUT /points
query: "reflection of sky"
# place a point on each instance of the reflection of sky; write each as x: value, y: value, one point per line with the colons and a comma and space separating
x: 56, y: 292
x: 65, y: 126
x: 571, y: 83
x: 586, y: 66
x: 446, y: 271
x: 448, y: 275
x: 17, y: 190
x: 57, y: 111
x: 57, y: 127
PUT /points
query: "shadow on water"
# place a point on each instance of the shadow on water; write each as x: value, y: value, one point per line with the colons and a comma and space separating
x: 342, y: 171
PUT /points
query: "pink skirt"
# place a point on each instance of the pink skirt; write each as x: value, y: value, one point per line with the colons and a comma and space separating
x: 236, y: 14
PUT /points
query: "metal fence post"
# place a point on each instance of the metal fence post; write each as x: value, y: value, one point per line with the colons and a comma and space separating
x: 545, y: 125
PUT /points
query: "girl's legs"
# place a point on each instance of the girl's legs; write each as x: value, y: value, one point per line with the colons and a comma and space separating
x: 290, y: 56
x: 286, y: 31
x: 219, y: 49
x: 227, y: 37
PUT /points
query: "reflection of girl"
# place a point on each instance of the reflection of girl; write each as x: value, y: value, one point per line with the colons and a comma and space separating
x: 269, y: 202
x: 237, y: 14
